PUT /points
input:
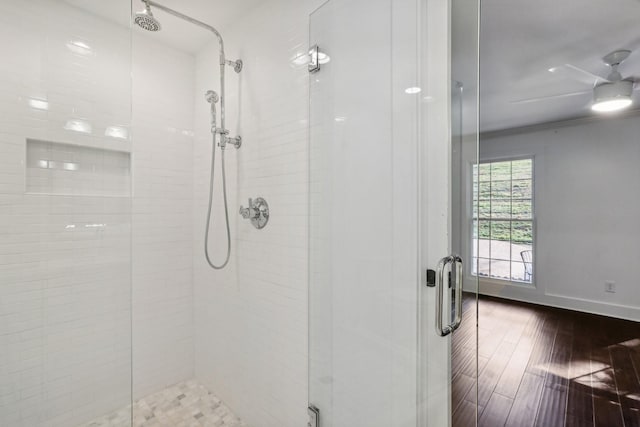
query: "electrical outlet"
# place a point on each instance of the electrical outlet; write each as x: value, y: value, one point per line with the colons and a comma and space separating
x: 610, y: 286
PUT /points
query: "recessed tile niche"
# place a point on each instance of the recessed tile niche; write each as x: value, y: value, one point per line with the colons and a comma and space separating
x: 67, y: 169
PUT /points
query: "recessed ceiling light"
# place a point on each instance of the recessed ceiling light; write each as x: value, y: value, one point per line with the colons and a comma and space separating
x: 412, y: 90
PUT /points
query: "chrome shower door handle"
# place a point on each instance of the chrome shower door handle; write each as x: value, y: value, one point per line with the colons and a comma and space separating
x: 456, y: 262
x: 458, y: 291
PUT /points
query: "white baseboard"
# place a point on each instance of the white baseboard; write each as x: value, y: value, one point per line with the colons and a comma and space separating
x: 531, y: 295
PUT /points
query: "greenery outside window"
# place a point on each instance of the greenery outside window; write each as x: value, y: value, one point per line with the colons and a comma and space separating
x: 503, y: 232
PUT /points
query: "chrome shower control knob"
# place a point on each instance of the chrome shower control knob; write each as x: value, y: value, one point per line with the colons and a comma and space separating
x: 250, y: 212
x: 257, y: 212
x: 244, y: 212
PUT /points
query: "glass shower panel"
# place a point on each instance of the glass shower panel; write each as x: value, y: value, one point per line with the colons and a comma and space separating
x: 364, y: 273
x: 65, y: 213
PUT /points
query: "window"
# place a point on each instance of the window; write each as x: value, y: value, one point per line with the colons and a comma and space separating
x: 503, y: 220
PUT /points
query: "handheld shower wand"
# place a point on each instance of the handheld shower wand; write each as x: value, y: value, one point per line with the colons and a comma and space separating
x: 212, y: 97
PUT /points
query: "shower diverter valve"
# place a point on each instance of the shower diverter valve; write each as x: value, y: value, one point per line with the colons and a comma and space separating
x: 257, y: 212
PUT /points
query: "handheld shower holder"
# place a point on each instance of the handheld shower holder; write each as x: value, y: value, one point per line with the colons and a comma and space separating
x: 235, y: 141
x: 237, y: 65
x: 224, y: 139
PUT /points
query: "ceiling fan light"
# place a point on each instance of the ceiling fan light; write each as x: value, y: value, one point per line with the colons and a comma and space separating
x: 613, y: 96
x: 611, y: 105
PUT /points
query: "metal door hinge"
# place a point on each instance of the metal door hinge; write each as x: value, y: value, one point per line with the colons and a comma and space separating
x: 314, y: 59
x: 314, y: 416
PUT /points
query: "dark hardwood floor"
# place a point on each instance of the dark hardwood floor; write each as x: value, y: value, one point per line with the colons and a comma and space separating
x: 546, y: 367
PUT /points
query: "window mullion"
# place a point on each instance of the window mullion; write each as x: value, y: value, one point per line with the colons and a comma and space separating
x: 511, y: 221
x: 494, y: 221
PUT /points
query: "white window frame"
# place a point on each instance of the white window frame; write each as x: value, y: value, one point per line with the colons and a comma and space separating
x: 473, y: 221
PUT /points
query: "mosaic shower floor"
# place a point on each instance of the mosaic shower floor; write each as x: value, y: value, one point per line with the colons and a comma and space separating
x: 187, y: 404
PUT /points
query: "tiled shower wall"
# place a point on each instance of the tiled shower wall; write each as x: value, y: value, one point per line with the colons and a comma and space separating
x: 251, y: 318
x: 163, y: 80
x: 66, y: 292
x: 65, y: 264
x: 66, y: 259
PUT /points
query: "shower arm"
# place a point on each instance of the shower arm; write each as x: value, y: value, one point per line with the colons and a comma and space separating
x: 194, y: 22
x: 237, y: 66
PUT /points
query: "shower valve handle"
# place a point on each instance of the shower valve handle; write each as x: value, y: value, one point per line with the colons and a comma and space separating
x: 244, y: 212
x: 257, y: 212
x: 250, y: 212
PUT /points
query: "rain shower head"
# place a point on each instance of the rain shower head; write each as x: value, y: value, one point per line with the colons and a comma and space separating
x: 146, y: 20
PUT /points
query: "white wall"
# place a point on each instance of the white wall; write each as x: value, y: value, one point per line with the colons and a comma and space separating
x: 65, y: 260
x: 587, y: 207
x: 251, y: 318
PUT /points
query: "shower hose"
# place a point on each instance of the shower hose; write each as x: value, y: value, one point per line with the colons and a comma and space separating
x: 226, y: 210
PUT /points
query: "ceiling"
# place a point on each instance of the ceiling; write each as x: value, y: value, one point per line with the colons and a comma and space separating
x: 521, y: 40
x: 175, y: 32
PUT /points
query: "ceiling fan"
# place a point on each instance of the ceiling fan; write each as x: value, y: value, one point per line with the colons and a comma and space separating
x: 609, y: 94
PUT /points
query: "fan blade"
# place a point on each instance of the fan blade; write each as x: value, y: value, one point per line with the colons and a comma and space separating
x: 576, y: 73
x: 544, y: 98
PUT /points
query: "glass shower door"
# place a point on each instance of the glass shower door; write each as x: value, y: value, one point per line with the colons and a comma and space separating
x: 385, y: 166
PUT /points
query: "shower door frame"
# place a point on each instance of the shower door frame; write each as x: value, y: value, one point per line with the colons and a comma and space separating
x: 443, y: 63
x: 434, y: 371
